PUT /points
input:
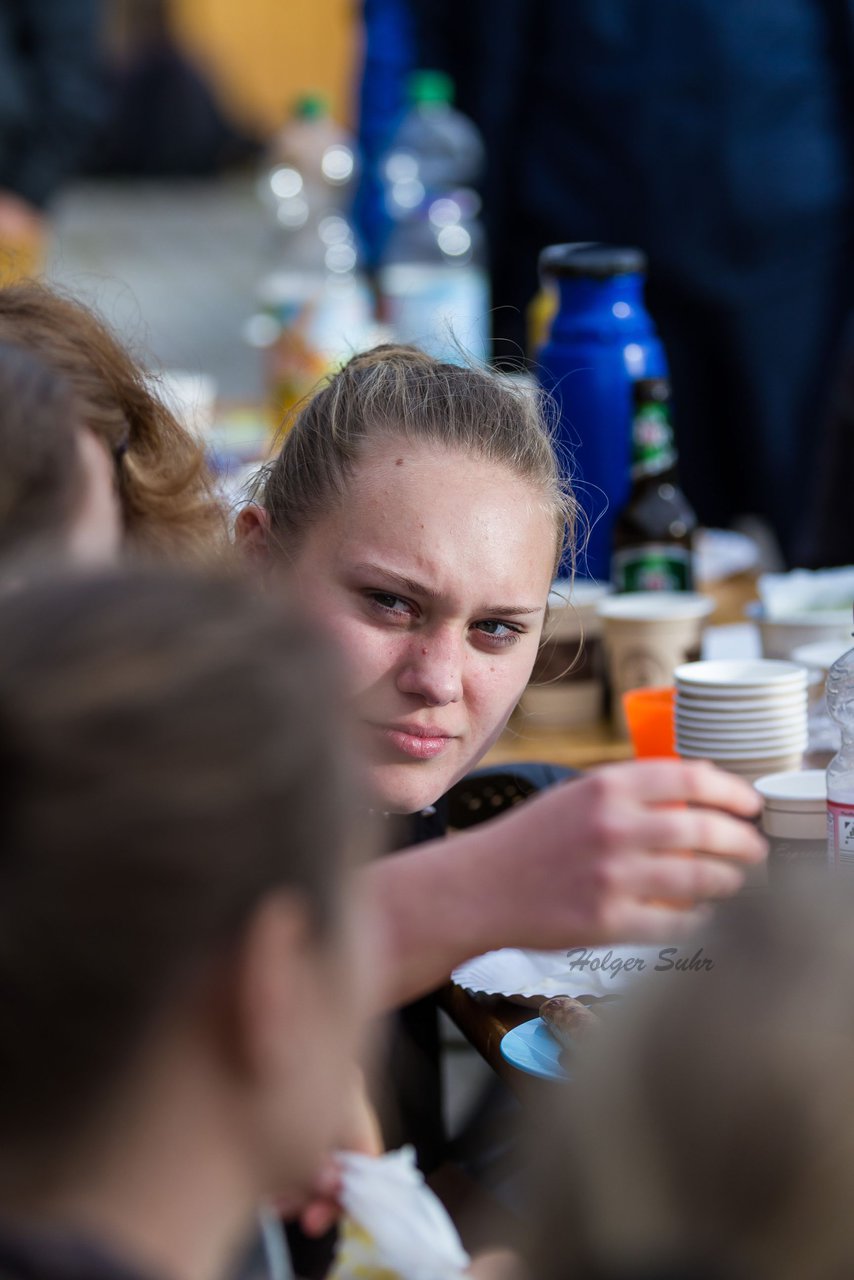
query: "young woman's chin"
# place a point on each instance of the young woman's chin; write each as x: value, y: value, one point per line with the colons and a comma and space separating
x: 407, y: 788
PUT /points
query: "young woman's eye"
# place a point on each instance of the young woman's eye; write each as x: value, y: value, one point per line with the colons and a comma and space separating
x: 498, y: 633
x: 387, y: 603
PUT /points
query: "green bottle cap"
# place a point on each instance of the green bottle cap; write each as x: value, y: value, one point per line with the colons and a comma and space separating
x: 429, y: 87
x: 311, y: 106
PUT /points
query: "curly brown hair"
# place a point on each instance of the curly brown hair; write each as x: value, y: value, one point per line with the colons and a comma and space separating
x: 167, y: 497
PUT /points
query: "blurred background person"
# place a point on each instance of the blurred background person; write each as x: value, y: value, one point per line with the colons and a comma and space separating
x: 51, y: 103
x: 706, y: 1132
x: 59, y: 488
x: 168, y: 508
x: 165, y: 117
x: 205, y: 1006
x: 717, y: 136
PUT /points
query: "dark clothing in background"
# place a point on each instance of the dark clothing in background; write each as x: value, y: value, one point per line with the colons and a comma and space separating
x: 51, y: 92
x: 167, y: 122
x: 719, y: 136
x: 831, y: 540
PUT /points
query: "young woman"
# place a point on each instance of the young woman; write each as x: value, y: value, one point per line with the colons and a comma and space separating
x: 168, y: 508
x: 58, y: 491
x: 420, y: 510
x: 179, y: 968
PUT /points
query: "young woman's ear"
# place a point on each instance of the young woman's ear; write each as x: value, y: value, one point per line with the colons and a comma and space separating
x: 252, y: 534
x: 267, y: 989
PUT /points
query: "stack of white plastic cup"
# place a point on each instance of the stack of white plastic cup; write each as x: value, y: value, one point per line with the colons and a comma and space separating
x: 749, y: 718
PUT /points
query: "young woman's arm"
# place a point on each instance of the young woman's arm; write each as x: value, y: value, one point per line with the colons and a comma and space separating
x: 597, y: 860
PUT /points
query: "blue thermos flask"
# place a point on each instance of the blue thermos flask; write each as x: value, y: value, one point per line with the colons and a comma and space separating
x: 602, y: 339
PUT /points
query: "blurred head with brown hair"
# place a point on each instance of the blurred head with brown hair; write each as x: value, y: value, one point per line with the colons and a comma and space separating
x: 167, y: 502
x: 58, y: 489
x: 707, y: 1130
x: 179, y: 995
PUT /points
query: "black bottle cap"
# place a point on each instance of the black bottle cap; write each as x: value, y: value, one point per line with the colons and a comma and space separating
x: 587, y: 258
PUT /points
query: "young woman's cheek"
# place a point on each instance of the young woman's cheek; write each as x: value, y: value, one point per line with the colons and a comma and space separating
x: 495, y: 684
x: 371, y: 654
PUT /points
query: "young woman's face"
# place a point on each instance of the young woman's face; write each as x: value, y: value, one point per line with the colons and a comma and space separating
x: 433, y: 575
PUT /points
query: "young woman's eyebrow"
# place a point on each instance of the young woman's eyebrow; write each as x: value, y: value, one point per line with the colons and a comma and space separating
x: 428, y: 593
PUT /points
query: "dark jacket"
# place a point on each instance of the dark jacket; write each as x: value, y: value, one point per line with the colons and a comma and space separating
x: 717, y: 134
x: 51, y: 94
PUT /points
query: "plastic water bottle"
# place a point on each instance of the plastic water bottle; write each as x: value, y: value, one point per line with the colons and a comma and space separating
x: 316, y: 306
x: 311, y: 165
x: 840, y: 771
x: 602, y: 340
x: 433, y: 282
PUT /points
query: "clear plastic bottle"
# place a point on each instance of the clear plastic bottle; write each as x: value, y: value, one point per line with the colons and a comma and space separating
x: 311, y: 165
x: 433, y: 281
x: 840, y: 771
x: 316, y: 306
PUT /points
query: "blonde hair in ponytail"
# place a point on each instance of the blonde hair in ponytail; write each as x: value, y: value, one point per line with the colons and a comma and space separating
x: 398, y: 392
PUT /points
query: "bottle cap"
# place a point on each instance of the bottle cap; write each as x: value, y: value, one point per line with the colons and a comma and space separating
x: 310, y: 106
x: 430, y: 86
x: 587, y: 258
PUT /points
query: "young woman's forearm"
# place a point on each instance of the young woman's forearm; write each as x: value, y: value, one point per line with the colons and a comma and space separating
x: 428, y: 902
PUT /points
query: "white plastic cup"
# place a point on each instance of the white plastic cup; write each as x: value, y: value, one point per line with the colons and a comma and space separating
x: 794, y: 818
x: 750, y: 770
x: 734, y: 678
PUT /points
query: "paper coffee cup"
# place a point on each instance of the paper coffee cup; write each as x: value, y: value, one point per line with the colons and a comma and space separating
x: 647, y: 636
x: 567, y: 685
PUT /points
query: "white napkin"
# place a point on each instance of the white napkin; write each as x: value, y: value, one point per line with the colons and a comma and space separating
x: 806, y: 591
x: 401, y: 1226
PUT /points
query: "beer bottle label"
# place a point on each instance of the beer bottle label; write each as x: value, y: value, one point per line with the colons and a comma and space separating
x: 654, y: 567
x: 653, y: 450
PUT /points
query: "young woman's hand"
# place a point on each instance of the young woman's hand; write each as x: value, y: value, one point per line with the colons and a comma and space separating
x: 598, y: 860
x: 603, y: 858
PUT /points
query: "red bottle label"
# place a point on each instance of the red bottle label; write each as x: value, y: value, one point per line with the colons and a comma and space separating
x: 840, y: 835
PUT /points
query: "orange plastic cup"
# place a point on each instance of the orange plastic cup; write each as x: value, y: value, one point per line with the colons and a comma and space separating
x: 650, y: 716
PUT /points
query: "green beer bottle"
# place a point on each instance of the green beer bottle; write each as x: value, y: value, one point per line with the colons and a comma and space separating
x: 653, y: 533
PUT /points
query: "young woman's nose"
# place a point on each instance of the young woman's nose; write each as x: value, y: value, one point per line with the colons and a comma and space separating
x: 433, y: 669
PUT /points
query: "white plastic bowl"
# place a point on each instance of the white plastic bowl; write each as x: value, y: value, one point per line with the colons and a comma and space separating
x: 781, y: 636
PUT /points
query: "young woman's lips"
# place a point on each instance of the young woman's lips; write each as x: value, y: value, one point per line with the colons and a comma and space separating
x: 421, y: 744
